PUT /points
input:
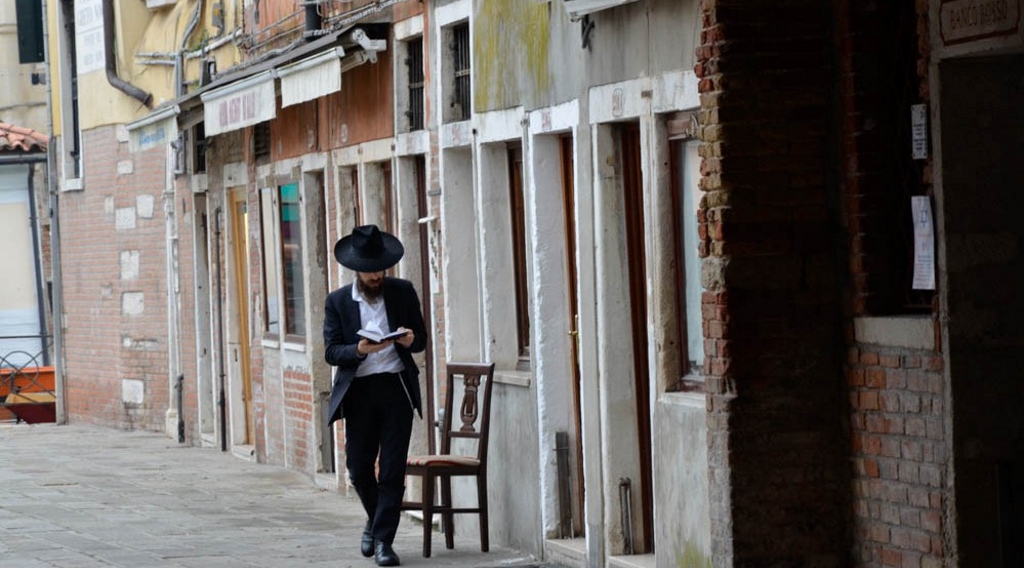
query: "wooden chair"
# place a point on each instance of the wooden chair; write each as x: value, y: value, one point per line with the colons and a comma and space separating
x: 475, y: 408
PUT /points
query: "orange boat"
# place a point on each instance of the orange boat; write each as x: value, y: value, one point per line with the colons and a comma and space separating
x: 27, y: 393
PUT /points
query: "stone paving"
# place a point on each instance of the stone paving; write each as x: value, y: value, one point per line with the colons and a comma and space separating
x: 88, y: 497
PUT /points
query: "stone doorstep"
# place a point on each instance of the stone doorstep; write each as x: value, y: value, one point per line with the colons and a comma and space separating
x: 632, y: 561
x: 570, y: 552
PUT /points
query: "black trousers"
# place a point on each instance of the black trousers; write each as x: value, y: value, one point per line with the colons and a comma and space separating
x: 378, y: 422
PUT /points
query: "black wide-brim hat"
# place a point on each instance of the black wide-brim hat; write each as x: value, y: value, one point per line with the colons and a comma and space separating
x: 368, y: 249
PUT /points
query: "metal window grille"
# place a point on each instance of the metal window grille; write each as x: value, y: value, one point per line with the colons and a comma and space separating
x: 414, y: 61
x: 460, y: 54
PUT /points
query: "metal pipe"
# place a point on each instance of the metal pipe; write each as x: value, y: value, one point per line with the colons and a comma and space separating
x: 180, y: 386
x: 221, y: 402
x: 213, y: 45
x: 108, y: 53
x: 33, y: 219
x: 56, y: 275
x: 314, y: 22
x: 565, y: 504
x: 179, y: 72
x: 626, y: 510
x: 10, y: 160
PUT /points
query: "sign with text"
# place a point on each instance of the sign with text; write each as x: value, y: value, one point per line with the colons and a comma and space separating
x: 962, y: 21
x: 239, y: 105
x: 89, y: 36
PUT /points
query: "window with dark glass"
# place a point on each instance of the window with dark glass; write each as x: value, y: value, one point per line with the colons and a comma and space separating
x: 199, y: 157
x: 71, y: 139
x: 291, y: 261
x: 261, y: 141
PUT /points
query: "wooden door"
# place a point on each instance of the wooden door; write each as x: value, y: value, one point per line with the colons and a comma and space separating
x: 240, y: 277
x: 632, y: 185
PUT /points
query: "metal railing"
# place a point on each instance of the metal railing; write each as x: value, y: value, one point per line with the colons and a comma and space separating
x: 22, y: 368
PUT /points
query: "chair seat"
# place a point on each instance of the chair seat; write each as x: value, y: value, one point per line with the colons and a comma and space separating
x: 442, y: 460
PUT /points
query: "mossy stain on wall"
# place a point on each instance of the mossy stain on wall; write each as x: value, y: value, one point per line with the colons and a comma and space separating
x: 511, y: 41
x: 692, y: 557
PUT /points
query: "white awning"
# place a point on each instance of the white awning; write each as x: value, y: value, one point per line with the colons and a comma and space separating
x: 311, y: 78
x: 155, y: 129
x: 579, y: 8
x: 237, y: 105
x: 320, y: 75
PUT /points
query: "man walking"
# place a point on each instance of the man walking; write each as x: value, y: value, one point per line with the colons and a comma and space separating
x: 376, y: 384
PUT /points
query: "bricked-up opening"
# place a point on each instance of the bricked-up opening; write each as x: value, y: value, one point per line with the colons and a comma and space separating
x: 878, y: 66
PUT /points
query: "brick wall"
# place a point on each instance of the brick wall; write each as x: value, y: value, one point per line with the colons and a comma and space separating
x: 301, y: 429
x: 779, y: 477
x: 115, y: 296
x: 897, y: 396
x: 899, y: 452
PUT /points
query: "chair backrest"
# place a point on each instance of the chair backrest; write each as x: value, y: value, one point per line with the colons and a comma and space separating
x: 472, y: 417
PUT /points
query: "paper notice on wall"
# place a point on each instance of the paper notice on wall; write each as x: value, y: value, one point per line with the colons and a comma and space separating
x: 924, y: 243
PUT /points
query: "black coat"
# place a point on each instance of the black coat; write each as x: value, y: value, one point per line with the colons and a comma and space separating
x: 342, y: 321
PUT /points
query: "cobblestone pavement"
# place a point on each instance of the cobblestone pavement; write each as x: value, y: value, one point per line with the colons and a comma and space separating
x: 87, y: 497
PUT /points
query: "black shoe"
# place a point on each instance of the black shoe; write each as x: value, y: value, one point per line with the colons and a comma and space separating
x: 366, y: 545
x: 385, y: 555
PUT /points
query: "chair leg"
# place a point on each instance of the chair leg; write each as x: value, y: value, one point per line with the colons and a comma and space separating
x: 428, y: 512
x: 447, y: 517
x: 481, y: 495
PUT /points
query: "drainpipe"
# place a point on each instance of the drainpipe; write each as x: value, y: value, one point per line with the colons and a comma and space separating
x: 221, y: 398
x: 179, y: 71
x: 37, y: 258
x: 108, y: 49
x: 56, y: 277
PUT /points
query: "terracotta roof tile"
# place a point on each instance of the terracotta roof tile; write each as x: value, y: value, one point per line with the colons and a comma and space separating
x: 16, y: 139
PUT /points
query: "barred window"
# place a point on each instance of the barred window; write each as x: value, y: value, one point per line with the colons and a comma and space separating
x: 460, y: 59
x: 414, y: 63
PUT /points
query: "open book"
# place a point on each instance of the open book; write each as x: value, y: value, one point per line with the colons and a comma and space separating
x: 376, y: 336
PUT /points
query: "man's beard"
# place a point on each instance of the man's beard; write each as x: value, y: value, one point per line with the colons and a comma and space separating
x: 370, y: 292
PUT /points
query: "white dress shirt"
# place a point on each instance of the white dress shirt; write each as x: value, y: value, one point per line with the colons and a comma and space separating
x: 374, y: 317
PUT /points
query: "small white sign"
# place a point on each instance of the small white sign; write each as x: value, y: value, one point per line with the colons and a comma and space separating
x: 969, y: 20
x: 89, y: 36
x: 919, y: 131
x: 924, y: 243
